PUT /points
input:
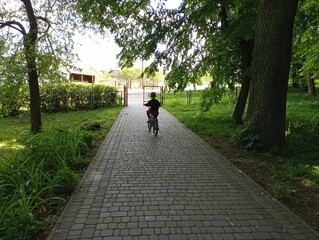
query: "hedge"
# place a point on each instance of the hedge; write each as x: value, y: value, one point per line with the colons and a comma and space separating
x: 62, y: 98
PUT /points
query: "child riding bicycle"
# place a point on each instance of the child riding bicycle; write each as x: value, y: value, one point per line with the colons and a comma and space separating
x: 153, y: 105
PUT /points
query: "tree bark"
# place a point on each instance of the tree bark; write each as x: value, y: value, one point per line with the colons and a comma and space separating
x: 311, y: 85
x: 246, y: 47
x: 30, y: 40
x: 270, y: 71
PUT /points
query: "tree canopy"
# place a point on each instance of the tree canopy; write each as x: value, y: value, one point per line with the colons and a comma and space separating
x: 38, y: 41
x: 188, y: 42
x: 215, y: 38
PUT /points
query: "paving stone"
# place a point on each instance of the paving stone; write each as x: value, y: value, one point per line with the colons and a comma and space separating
x: 173, y: 186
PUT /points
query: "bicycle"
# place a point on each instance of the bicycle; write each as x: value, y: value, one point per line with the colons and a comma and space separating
x: 153, y: 124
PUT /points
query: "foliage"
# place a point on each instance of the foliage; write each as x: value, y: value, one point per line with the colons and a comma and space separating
x: 11, y: 128
x: 58, y: 98
x: 34, y: 178
x: 54, y: 97
x: 56, y: 23
x: 211, y: 95
x: 59, y: 148
x: 282, y: 192
x: 24, y: 189
x: 245, y: 137
x: 65, y: 181
x: 41, y: 33
x: 130, y: 74
x: 188, y: 41
x: 216, y: 121
x: 14, y: 98
x: 13, y: 91
x: 92, y: 97
x: 32, y: 173
x: 306, y: 53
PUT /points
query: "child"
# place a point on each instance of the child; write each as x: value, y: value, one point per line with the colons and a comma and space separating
x: 153, y: 105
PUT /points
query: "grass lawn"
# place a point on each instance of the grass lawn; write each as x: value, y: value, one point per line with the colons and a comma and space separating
x: 13, y: 127
x: 291, y: 174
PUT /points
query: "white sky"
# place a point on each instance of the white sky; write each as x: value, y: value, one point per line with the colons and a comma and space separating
x: 94, y: 51
x: 100, y: 53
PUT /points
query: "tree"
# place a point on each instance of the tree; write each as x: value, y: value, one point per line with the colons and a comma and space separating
x: 131, y: 74
x: 305, y: 46
x: 38, y: 40
x: 270, y: 71
x: 196, y: 43
x: 196, y: 39
x: 30, y: 38
x: 13, y: 91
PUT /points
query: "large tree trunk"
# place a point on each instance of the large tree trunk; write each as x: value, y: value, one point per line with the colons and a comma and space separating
x: 246, y: 47
x: 30, y: 40
x: 311, y: 85
x: 270, y: 70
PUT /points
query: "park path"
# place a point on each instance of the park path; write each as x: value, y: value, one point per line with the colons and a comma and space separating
x: 171, y: 187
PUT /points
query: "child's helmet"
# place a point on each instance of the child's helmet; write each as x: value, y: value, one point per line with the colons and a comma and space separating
x: 153, y: 94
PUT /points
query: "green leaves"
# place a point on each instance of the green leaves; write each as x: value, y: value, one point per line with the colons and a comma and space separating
x: 306, y: 40
x: 187, y: 42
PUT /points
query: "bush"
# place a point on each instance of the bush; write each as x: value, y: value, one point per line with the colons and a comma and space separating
x: 32, y: 179
x: 13, y: 99
x: 65, y: 181
x: 19, y: 225
x: 59, y: 148
x: 24, y: 190
x: 55, y: 97
x: 282, y: 192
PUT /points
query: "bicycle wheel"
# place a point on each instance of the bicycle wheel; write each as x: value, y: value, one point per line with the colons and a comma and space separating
x: 155, y: 127
x: 149, y: 125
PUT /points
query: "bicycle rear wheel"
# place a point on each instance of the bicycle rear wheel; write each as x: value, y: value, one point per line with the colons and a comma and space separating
x: 155, y: 127
x: 149, y: 125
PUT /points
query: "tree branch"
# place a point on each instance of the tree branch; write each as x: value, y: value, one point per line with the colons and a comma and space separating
x: 15, y: 25
x: 48, y: 25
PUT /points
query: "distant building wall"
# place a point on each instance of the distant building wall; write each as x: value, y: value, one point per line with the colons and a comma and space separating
x: 82, y: 78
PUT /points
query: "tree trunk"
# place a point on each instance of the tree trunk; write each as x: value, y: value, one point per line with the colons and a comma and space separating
x: 311, y: 85
x: 246, y: 47
x: 30, y: 40
x: 270, y: 71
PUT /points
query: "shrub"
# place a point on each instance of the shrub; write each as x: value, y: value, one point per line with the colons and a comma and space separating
x: 24, y: 190
x: 19, y: 225
x: 282, y: 192
x: 13, y: 99
x: 31, y: 179
x: 65, y: 181
x: 58, y: 148
x: 55, y: 97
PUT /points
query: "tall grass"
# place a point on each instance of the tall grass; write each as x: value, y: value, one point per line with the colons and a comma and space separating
x: 37, y: 172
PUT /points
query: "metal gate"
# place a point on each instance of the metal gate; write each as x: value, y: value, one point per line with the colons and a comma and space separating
x: 159, y: 90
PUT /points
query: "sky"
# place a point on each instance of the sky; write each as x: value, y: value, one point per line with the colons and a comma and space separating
x: 100, y: 53
x: 95, y: 51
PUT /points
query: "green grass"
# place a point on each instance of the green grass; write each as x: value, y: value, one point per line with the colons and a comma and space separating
x: 12, y: 128
x: 39, y: 171
x: 217, y: 121
x: 301, y: 155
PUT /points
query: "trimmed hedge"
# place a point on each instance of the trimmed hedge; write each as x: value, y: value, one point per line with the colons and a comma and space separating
x: 57, y: 98
x: 62, y: 98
